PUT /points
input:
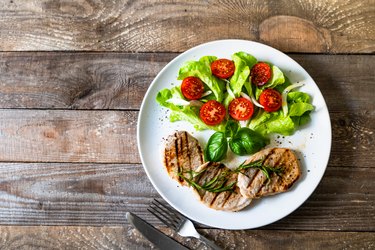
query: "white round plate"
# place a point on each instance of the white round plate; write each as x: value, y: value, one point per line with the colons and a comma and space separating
x: 312, y: 143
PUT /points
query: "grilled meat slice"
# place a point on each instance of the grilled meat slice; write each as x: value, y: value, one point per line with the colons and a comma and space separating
x: 182, y: 154
x: 216, y: 176
x: 284, y: 170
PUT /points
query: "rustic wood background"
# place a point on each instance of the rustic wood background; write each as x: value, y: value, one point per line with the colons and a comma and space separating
x: 73, y: 75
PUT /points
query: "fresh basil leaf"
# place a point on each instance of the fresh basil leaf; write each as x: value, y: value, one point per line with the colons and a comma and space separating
x: 247, y: 141
x: 216, y: 148
x: 237, y: 147
x: 231, y: 128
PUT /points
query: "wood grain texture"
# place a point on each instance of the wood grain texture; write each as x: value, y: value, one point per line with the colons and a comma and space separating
x: 47, y: 237
x: 72, y: 78
x: 77, y: 80
x: 55, y: 80
x: 68, y: 136
x: 110, y: 136
x: 100, y: 194
x: 292, y: 26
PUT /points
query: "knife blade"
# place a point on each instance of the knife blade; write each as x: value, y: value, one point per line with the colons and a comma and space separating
x: 158, y: 238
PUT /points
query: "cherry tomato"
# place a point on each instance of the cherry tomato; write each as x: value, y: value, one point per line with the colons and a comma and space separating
x: 241, y: 109
x: 212, y: 112
x: 260, y: 73
x: 270, y: 99
x: 222, y: 68
x: 192, y: 88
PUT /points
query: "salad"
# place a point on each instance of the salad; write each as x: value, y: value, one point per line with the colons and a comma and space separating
x: 244, y: 100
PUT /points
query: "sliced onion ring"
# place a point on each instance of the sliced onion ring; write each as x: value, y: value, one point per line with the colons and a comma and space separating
x: 252, y: 99
x: 244, y: 123
x: 178, y: 101
x: 284, y: 95
x: 230, y: 92
x: 196, y: 103
x: 208, y: 92
x: 182, y: 102
x: 245, y: 96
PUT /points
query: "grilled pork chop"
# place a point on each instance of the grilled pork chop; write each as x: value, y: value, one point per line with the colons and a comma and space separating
x: 216, y: 176
x: 283, y: 170
x: 182, y: 154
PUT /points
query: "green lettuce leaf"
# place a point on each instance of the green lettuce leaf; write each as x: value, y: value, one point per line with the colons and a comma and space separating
x: 299, y: 108
x: 241, y: 73
x: 202, y: 70
x: 166, y: 94
x: 191, y: 115
x: 183, y: 113
x: 275, y: 122
x: 272, y: 122
x: 297, y: 96
x: 247, y: 58
x: 299, y: 103
x: 276, y: 80
x: 243, y: 63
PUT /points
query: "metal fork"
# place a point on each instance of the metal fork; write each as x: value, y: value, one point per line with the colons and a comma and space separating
x: 177, y: 222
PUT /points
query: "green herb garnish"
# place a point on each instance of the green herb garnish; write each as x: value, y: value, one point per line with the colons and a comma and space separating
x: 267, y: 170
x: 215, y: 185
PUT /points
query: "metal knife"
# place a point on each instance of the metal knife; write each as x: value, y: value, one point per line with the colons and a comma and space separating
x: 158, y: 238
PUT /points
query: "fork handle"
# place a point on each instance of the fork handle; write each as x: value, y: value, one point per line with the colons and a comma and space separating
x: 209, y: 242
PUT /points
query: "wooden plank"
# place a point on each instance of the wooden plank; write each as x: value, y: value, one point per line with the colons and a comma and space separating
x: 110, y: 136
x: 54, y: 80
x: 68, y: 136
x: 47, y: 237
x: 76, y: 80
x: 293, y: 26
x: 100, y: 194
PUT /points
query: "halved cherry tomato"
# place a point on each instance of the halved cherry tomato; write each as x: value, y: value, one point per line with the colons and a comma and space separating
x: 212, y: 112
x: 192, y: 88
x: 271, y: 100
x: 260, y: 73
x: 241, y: 109
x: 222, y: 68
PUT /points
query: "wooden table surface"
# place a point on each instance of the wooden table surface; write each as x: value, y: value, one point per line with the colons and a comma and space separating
x: 72, y: 78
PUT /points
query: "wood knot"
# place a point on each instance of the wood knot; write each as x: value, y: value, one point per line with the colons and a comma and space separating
x: 294, y: 34
x: 50, y: 134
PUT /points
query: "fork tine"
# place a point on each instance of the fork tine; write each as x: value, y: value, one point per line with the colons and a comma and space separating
x: 167, y: 213
x: 164, y: 214
x: 167, y: 223
x: 173, y: 213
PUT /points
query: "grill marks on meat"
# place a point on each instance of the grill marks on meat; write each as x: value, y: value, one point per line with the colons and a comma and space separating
x: 182, y: 153
x: 226, y: 200
x: 254, y: 184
